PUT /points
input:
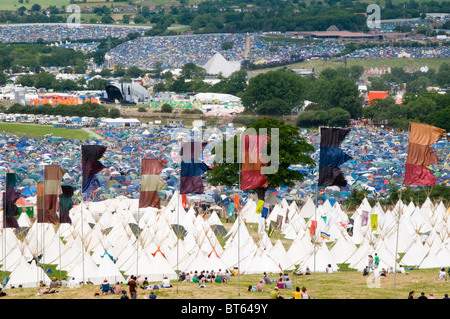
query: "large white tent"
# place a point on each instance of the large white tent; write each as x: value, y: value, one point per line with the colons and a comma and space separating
x: 101, y: 242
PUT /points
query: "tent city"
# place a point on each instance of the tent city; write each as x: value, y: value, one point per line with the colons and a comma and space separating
x: 224, y: 150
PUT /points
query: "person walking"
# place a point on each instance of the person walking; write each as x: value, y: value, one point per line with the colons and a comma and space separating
x: 132, y: 286
x: 377, y: 261
x: 370, y: 263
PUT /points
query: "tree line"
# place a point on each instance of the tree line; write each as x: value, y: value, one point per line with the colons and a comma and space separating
x: 218, y: 16
x: 87, y: 109
x: 277, y: 15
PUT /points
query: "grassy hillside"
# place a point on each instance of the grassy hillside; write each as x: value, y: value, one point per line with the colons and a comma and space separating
x: 40, y: 130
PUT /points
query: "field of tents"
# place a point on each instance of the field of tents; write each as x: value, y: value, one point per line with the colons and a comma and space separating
x: 114, y: 239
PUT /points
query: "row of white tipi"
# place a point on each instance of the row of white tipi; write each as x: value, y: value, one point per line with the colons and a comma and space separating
x: 100, y: 243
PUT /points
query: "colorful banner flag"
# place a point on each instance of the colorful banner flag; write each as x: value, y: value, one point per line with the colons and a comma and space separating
x: 184, y: 201
x: 265, y: 210
x: 364, y: 218
x: 236, y: 201
x: 259, y: 206
x: 420, y: 155
x: 374, y: 221
x: 40, y: 202
x: 313, y: 227
x: 251, y: 176
x: 151, y: 182
x: 10, y: 196
x: 91, y: 166
x: 331, y: 157
x: 192, y: 168
x: 325, y: 235
x: 65, y: 204
x: 349, y: 226
x: 52, y: 189
x: 231, y: 208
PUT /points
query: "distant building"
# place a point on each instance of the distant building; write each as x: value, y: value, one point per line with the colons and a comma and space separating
x: 341, y: 35
x: 332, y: 28
x: 377, y: 95
x: 121, y: 122
x: 302, y: 72
x: 218, y: 64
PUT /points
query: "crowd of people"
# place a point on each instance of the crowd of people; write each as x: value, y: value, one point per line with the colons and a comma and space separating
x: 51, y: 32
x: 377, y: 150
x: 396, y: 52
x: 176, y: 51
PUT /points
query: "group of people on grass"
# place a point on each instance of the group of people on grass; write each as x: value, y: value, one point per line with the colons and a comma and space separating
x: 282, y: 282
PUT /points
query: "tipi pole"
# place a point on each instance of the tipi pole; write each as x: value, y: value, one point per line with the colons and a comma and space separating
x: 59, y: 245
x: 314, y: 238
x: 137, y: 243
x: 398, y: 221
x: 4, y: 235
x: 178, y: 220
x: 82, y: 236
x: 178, y: 193
x: 315, y: 229
x: 43, y: 222
x: 239, y: 215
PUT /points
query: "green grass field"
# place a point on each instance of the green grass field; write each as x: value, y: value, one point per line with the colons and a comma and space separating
x: 41, y: 130
x: 14, y: 4
x: 339, y: 285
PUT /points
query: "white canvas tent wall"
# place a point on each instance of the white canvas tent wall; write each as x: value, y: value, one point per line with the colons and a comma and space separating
x: 279, y: 255
x: 248, y: 212
x: 308, y: 209
x: 318, y: 259
x: 259, y: 263
x: 342, y: 249
x: 27, y: 275
x: 107, y: 269
x: 84, y: 269
x: 299, y: 249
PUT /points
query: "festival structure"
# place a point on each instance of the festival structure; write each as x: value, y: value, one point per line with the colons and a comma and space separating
x: 121, y: 236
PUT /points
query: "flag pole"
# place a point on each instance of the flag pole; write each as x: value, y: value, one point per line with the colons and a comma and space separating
x: 178, y: 209
x: 137, y: 243
x: 82, y: 234
x: 239, y: 215
x: 4, y: 232
x: 315, y: 218
x: 398, y: 219
x: 315, y: 229
x: 43, y: 222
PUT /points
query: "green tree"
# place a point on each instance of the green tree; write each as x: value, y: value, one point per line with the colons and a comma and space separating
x: 282, y: 84
x: 114, y: 113
x: 192, y: 71
x: 343, y: 93
x: 275, y: 106
x: 338, y: 117
x: 166, y: 108
x: 312, y: 118
x: 133, y: 72
x: 293, y: 150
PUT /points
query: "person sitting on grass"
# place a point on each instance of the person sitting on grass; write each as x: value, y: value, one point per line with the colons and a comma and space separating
x: 104, y: 286
x: 166, y: 283
x: 117, y: 288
